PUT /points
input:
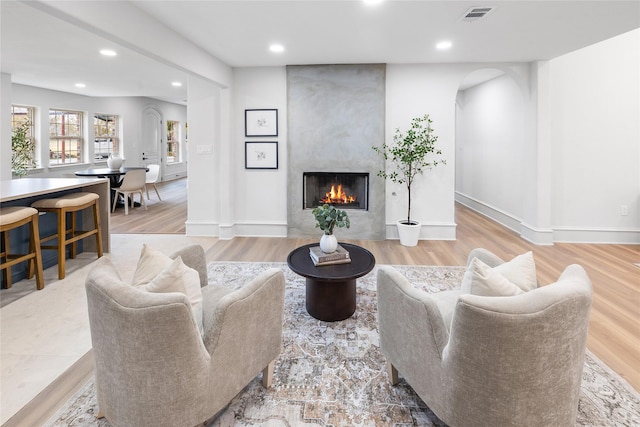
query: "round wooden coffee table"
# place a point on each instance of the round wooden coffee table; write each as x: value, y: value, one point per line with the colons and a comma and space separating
x: 331, y: 289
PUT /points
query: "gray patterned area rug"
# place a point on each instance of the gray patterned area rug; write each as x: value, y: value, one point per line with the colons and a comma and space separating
x: 333, y: 374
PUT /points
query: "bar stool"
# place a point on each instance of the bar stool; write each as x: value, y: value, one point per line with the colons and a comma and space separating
x: 14, y: 217
x: 70, y: 203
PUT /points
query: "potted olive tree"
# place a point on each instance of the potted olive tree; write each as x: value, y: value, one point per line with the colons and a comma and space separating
x: 327, y: 218
x: 409, y: 156
x: 23, y: 150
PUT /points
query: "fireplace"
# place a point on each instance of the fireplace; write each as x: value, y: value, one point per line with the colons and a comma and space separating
x: 335, y: 114
x: 345, y: 190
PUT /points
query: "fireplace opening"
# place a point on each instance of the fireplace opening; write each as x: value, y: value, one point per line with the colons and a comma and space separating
x: 345, y: 190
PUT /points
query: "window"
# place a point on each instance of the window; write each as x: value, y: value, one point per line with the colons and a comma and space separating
x: 105, y: 128
x: 23, y: 151
x: 173, y: 141
x: 65, y: 137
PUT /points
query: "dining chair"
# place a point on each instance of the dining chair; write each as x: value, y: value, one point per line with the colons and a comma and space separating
x: 133, y: 183
x: 152, y: 177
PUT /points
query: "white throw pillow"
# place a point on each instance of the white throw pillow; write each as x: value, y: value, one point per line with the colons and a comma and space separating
x: 159, y: 273
x: 151, y: 262
x: 486, y: 281
x: 520, y: 271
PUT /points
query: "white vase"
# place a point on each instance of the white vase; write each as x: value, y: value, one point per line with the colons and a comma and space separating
x: 114, y: 161
x: 328, y: 243
x: 409, y: 233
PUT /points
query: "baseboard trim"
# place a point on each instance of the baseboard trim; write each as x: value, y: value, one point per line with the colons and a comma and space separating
x: 238, y: 229
x: 501, y: 217
x: 201, y: 228
x: 535, y: 235
x: 552, y: 235
x: 597, y: 236
x: 433, y: 231
x: 263, y: 229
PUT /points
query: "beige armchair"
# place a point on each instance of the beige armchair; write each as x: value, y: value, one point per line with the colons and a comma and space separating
x: 153, y: 367
x: 498, y: 361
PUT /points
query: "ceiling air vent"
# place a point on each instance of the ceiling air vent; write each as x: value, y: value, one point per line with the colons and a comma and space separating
x: 476, y: 13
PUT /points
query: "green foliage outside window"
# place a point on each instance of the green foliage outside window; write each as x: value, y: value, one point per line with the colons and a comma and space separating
x: 23, y: 149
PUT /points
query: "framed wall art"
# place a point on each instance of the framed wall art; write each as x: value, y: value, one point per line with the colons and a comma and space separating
x: 261, y: 122
x: 260, y: 155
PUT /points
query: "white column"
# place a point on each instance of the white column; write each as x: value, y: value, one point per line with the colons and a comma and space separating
x: 536, y: 221
x: 5, y: 126
x: 204, y: 177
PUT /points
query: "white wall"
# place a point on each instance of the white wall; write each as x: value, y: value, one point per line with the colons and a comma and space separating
x: 5, y: 126
x: 260, y: 195
x: 595, y: 131
x: 129, y: 110
x: 411, y: 90
x: 577, y: 164
x: 491, y: 144
x: 207, y: 159
x: 414, y: 90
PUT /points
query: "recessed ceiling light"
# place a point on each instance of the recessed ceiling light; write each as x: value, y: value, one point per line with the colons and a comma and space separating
x: 372, y: 1
x: 176, y: 84
x: 108, y: 52
x: 444, y: 45
x: 81, y: 85
x: 277, y: 48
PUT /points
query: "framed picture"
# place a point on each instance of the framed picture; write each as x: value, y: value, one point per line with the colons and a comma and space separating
x: 261, y: 122
x: 261, y: 155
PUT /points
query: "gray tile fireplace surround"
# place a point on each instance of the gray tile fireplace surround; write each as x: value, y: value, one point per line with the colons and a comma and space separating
x: 335, y: 115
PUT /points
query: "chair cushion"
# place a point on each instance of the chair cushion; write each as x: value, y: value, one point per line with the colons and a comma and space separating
x: 156, y: 272
x: 520, y: 271
x: 12, y: 214
x: 72, y: 199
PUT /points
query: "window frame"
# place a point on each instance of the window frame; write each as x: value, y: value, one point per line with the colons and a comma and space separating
x: 173, y: 130
x: 112, y: 139
x: 55, y: 138
x: 31, y: 134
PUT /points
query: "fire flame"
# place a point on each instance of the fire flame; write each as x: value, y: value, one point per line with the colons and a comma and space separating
x: 337, y: 197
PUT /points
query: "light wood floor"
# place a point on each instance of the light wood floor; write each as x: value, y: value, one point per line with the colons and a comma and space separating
x: 161, y: 217
x: 614, y: 329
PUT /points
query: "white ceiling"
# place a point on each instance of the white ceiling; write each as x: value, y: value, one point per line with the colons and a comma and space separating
x: 41, y: 50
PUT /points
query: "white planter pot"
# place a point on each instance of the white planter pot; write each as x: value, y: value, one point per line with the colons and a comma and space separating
x: 328, y: 243
x: 409, y: 233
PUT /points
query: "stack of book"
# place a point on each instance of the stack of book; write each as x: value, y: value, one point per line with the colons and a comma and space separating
x: 319, y: 258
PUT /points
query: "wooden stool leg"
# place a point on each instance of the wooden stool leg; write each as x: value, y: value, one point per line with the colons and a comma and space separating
x: 62, y: 242
x: 96, y: 222
x: 30, y: 264
x: 35, y: 236
x: 6, y: 272
x: 74, y: 228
